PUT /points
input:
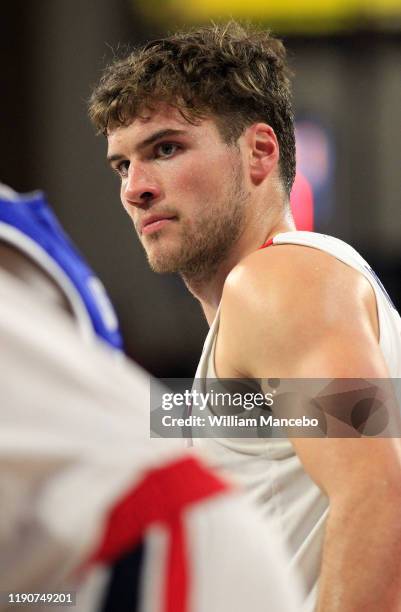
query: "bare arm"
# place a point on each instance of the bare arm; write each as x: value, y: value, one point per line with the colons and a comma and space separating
x: 292, y: 322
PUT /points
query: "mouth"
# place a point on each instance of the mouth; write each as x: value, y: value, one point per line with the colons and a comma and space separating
x: 154, y: 223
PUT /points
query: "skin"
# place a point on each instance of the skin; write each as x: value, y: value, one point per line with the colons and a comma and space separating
x: 208, y: 195
x: 332, y: 332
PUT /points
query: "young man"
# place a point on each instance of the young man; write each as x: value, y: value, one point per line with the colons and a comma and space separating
x: 200, y: 130
x: 95, y: 514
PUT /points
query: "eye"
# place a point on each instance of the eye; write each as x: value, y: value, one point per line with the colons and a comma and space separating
x: 165, y: 150
x: 122, y: 168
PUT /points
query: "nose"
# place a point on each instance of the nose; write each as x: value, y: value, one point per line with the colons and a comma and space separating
x: 139, y: 188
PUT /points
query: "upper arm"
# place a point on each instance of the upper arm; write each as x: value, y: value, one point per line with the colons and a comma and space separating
x: 300, y: 313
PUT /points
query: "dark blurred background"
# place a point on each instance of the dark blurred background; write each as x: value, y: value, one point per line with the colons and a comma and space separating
x: 346, y: 57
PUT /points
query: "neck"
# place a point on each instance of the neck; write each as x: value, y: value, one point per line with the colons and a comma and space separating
x: 209, y: 291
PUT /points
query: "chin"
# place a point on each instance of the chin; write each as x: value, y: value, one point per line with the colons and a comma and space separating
x: 162, y: 267
x: 163, y: 261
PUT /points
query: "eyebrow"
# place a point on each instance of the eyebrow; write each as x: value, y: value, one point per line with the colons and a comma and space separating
x: 148, y: 141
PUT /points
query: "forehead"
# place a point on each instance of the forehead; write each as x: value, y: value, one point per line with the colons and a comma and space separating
x: 163, y: 117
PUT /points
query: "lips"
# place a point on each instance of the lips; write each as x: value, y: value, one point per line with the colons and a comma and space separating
x: 153, y: 223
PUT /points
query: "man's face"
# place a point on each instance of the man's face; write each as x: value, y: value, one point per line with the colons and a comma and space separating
x: 183, y: 188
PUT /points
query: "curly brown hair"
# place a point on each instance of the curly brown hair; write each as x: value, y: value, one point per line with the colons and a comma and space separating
x: 234, y: 73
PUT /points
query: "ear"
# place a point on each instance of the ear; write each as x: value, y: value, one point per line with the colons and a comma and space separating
x: 263, y: 151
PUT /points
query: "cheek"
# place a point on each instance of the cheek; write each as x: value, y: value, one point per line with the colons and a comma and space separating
x: 199, y: 181
x: 122, y: 197
x: 126, y: 207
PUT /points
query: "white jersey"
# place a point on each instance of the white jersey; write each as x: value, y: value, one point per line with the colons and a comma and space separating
x: 269, y: 469
x: 91, y: 504
x: 29, y: 225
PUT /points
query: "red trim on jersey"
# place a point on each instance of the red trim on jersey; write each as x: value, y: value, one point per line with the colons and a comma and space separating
x: 162, y: 497
x: 266, y: 244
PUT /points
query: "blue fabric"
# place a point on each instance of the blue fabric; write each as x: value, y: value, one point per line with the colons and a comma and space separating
x: 32, y: 216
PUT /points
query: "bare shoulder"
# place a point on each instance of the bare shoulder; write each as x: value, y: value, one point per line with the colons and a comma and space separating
x: 287, y: 267
x: 286, y: 300
x: 292, y: 278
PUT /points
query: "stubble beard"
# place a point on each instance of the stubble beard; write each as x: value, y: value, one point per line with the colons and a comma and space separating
x: 202, y: 249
